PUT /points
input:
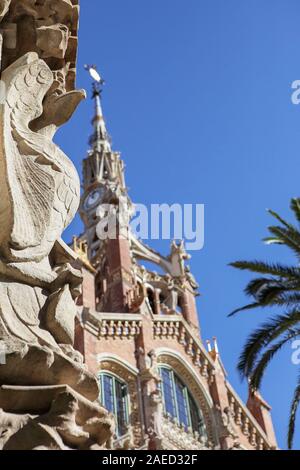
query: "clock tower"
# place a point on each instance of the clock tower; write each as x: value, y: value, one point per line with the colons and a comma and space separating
x: 105, y: 194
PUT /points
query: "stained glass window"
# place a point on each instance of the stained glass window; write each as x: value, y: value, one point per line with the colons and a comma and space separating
x: 114, y: 397
x: 179, y: 403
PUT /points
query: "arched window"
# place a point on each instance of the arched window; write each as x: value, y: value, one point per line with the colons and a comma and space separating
x: 179, y: 403
x: 114, y: 397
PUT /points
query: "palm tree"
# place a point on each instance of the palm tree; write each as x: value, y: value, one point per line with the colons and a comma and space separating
x: 278, y: 286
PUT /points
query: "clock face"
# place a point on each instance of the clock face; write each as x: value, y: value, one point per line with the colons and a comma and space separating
x: 93, y: 198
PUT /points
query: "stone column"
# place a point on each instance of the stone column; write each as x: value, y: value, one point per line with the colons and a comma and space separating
x: 47, y: 396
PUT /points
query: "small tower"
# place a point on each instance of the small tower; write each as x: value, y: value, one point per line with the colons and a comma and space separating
x: 138, y: 329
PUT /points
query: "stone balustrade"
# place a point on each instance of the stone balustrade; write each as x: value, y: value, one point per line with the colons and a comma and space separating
x: 106, y: 325
x: 245, y: 421
x: 174, y: 326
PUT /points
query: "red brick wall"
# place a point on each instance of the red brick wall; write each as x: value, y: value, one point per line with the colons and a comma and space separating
x: 88, y: 298
x: 124, y: 348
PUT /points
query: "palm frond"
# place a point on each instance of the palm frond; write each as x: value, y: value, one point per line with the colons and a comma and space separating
x: 274, y: 269
x: 255, y: 285
x: 272, y: 241
x: 287, y: 299
x: 271, y: 293
x: 279, y: 218
x: 280, y: 287
x: 293, y: 413
x: 262, y: 337
x: 263, y: 362
x: 289, y: 237
x: 282, y: 299
x: 295, y: 207
x: 246, y: 307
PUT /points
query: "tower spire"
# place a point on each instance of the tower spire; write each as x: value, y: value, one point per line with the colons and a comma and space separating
x: 100, y: 139
x: 103, y: 169
x: 102, y: 165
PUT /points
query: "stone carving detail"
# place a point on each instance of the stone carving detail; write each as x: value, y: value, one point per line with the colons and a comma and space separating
x: 153, y: 408
x: 176, y: 437
x: 155, y: 416
x: 39, y: 196
x: 67, y: 421
x: 47, y: 27
x: 226, y: 424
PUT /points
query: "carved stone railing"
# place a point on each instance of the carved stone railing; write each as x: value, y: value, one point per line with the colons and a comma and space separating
x: 174, y: 326
x: 247, y: 424
x: 112, y: 325
x: 178, y: 437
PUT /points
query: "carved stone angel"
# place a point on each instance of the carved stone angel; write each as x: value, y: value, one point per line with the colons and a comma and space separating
x: 39, y: 190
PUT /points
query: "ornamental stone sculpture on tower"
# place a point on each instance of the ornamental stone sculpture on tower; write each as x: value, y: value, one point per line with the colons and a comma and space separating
x: 47, y: 397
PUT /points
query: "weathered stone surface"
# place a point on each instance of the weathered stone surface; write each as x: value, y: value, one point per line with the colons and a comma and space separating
x: 66, y: 420
x: 47, y: 396
x: 39, y: 197
x: 48, y: 27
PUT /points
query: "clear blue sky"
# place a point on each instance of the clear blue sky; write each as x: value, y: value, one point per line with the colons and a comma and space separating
x: 198, y: 101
